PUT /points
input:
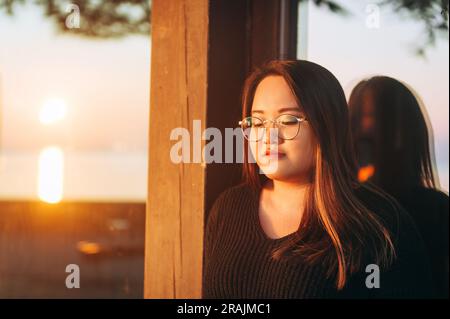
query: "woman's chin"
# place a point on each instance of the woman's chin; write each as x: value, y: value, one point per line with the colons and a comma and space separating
x: 273, y: 172
x: 278, y: 172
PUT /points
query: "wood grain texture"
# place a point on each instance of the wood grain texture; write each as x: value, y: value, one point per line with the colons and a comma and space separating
x: 175, y: 214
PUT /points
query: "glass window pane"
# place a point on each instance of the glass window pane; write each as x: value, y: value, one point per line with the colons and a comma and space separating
x: 375, y: 40
x: 74, y: 115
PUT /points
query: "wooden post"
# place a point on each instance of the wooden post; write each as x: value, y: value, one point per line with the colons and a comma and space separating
x: 175, y: 212
x: 202, y: 50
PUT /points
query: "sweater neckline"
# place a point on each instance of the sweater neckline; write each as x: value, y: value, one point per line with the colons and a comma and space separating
x: 257, y: 223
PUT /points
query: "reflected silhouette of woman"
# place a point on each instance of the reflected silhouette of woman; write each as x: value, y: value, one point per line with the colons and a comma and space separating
x: 392, y: 144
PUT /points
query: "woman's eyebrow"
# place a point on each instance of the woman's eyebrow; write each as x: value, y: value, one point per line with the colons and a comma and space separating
x: 281, y: 110
x: 286, y: 109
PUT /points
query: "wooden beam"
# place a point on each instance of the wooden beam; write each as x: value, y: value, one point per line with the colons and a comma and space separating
x: 174, y: 226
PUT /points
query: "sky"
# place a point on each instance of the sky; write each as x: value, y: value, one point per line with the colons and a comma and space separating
x: 107, y: 82
x: 94, y: 78
x: 101, y: 82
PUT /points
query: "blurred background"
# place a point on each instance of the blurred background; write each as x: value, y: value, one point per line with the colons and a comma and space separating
x: 74, y: 116
x: 74, y: 108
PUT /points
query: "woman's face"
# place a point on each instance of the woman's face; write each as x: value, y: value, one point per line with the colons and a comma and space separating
x: 279, y: 159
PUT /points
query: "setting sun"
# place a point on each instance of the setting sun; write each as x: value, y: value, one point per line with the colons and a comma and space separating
x: 52, y: 111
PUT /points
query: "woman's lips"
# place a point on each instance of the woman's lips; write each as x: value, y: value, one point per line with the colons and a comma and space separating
x: 273, y: 154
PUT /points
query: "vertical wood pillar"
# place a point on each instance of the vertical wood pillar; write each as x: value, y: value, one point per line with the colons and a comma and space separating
x: 175, y: 210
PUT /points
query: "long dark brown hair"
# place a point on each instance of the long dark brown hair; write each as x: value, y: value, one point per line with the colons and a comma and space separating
x: 396, y: 141
x: 337, y: 230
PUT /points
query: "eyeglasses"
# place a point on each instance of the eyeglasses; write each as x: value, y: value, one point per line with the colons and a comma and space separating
x: 288, y: 127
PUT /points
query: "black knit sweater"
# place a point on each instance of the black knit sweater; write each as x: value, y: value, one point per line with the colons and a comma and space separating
x: 429, y: 210
x: 238, y: 263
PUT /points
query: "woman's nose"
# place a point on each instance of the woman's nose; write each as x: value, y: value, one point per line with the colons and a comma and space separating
x: 271, y: 134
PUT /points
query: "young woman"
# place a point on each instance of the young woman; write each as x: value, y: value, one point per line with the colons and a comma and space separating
x: 392, y: 143
x: 300, y: 225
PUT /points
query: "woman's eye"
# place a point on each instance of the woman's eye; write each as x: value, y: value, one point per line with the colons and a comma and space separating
x: 257, y: 124
x: 288, y: 122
